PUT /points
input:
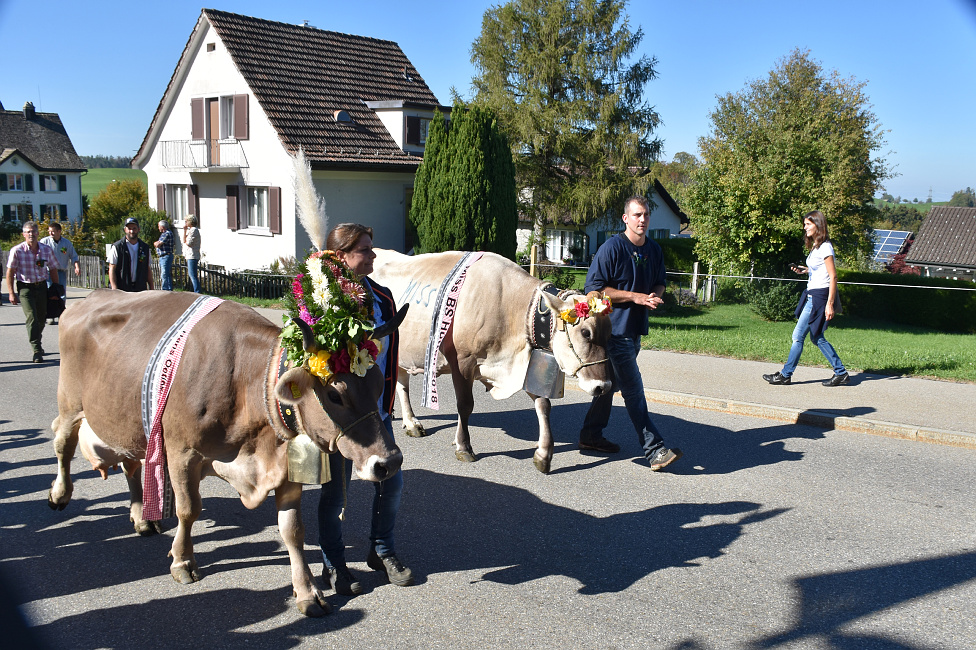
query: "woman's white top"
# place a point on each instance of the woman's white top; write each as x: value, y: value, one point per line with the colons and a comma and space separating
x: 817, y: 270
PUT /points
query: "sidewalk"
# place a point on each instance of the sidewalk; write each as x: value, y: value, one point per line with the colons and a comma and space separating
x: 901, y: 407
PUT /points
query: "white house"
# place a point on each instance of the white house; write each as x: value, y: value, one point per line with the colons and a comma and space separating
x: 567, y: 241
x: 40, y: 173
x: 247, y: 94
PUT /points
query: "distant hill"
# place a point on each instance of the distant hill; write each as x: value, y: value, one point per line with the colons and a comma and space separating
x: 97, y: 180
x: 923, y: 208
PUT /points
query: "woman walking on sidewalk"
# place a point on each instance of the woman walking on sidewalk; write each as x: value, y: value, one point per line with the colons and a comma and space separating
x: 816, y: 306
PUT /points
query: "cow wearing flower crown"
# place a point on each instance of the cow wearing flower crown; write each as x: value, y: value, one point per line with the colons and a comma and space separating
x: 493, y: 334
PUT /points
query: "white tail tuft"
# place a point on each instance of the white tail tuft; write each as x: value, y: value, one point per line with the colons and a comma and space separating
x: 309, y: 206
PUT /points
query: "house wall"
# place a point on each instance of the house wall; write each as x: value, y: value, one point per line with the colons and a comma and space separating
x: 71, y: 197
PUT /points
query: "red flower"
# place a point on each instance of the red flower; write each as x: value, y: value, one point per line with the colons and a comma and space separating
x: 582, y: 309
x: 370, y: 347
x: 340, y: 362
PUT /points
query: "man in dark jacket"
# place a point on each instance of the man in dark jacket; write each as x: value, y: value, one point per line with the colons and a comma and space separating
x: 128, y: 261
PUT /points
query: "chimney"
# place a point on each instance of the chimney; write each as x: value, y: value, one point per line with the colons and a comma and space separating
x: 28, y: 111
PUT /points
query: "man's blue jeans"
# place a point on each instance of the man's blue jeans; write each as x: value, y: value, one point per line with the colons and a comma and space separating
x: 386, y: 503
x: 166, y: 271
x: 799, y: 333
x: 626, y: 377
x: 191, y: 270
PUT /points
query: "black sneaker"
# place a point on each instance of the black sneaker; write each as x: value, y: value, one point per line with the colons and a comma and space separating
x: 398, y: 574
x: 601, y: 445
x: 342, y: 580
x: 838, y: 380
x: 777, y: 379
x: 663, y: 457
x: 38, y: 357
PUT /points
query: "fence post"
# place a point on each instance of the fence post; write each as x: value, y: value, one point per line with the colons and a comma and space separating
x: 694, y: 280
x: 533, y: 259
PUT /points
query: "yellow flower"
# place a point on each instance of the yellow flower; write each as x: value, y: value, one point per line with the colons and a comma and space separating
x: 599, y: 305
x: 318, y: 364
x: 569, y: 315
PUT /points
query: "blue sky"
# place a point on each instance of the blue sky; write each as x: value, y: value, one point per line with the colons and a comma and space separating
x: 103, y: 65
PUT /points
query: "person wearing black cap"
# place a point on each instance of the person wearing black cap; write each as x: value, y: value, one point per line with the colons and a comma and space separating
x: 128, y: 261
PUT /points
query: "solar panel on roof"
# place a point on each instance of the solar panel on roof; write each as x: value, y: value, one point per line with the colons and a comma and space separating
x: 888, y: 243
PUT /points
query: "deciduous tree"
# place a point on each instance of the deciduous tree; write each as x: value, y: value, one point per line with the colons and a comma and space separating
x: 963, y: 199
x: 557, y: 75
x: 795, y: 141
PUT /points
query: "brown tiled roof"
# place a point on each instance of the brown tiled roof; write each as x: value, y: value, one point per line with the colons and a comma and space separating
x: 947, y: 238
x: 42, y: 141
x: 301, y: 76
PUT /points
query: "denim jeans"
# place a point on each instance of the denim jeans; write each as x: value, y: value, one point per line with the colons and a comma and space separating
x: 166, y: 272
x: 386, y: 503
x: 799, y: 333
x: 191, y: 270
x: 625, y: 375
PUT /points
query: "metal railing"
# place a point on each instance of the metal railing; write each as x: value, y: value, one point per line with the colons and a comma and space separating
x: 203, y: 154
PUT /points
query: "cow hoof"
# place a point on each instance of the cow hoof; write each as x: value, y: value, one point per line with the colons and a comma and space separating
x: 466, y: 456
x: 314, y: 608
x: 185, y: 576
x: 147, y: 528
x: 54, y: 505
x: 416, y: 431
x: 541, y: 464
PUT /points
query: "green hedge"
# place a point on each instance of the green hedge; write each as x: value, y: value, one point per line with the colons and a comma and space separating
x: 679, y: 253
x: 945, y: 310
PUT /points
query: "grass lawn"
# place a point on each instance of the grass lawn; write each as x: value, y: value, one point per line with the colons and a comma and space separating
x: 97, y: 180
x: 864, y: 345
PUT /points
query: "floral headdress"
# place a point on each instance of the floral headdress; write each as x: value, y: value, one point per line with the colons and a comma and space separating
x: 338, y: 309
x: 583, y: 308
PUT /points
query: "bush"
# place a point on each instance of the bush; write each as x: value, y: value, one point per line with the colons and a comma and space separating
x: 774, y: 301
x: 945, y: 310
x: 678, y: 253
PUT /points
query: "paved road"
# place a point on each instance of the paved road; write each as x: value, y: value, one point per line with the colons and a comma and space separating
x: 768, y: 534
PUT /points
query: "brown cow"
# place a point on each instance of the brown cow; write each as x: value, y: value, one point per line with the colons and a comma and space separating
x: 221, y: 418
x: 489, y: 341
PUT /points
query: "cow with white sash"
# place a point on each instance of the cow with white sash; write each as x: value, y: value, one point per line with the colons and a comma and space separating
x: 482, y: 318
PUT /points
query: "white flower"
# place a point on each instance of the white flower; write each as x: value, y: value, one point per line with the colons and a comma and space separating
x: 361, y: 362
x: 321, y: 296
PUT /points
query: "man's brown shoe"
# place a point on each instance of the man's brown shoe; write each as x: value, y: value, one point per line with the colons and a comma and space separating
x: 601, y: 445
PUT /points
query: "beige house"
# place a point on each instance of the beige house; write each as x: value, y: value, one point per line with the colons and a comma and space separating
x: 246, y: 95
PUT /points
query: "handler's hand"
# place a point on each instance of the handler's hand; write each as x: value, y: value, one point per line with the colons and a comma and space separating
x: 650, y: 301
x: 14, y: 298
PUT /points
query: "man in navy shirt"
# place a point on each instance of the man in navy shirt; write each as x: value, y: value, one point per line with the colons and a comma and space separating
x: 628, y: 269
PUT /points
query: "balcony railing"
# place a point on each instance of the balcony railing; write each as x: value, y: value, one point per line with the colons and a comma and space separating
x: 203, y: 154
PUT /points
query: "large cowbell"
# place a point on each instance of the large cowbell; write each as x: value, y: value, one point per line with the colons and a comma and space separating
x: 544, y: 378
x: 307, y: 463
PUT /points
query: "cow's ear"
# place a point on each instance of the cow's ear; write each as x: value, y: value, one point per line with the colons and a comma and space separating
x: 556, y: 304
x: 294, y: 385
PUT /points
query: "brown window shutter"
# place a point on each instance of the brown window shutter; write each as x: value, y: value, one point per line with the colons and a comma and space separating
x: 413, y: 129
x: 240, y: 117
x: 161, y: 197
x: 233, y: 207
x: 195, y: 201
x: 274, y: 210
x: 28, y: 182
x: 196, y: 119
x: 3, y: 183
x: 63, y: 209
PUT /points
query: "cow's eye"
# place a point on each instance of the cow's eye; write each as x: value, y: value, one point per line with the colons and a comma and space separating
x: 335, y: 397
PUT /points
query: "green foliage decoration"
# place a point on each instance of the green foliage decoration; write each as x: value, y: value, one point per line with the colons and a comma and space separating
x: 792, y: 142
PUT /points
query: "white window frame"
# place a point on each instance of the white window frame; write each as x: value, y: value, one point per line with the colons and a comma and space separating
x: 17, y: 186
x: 424, y: 128
x: 177, y: 203
x: 227, y: 117
x: 52, y: 211
x: 256, y: 208
x: 53, y: 180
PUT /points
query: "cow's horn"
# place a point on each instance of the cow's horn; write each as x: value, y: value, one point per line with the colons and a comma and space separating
x: 389, y: 326
x: 308, y: 338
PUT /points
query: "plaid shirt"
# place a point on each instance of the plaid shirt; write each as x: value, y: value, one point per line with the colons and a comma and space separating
x: 29, y: 267
x: 166, y: 245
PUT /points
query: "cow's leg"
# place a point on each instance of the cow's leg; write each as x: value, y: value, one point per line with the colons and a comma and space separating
x: 309, y: 598
x: 65, y: 429
x: 133, y: 476
x: 465, y: 406
x: 184, y: 473
x: 542, y: 458
x: 411, y: 424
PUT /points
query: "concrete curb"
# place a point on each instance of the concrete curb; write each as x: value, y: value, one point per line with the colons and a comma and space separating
x: 815, y: 418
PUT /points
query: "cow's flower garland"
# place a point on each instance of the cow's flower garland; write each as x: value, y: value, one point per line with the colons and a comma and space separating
x: 339, y: 309
x: 583, y: 308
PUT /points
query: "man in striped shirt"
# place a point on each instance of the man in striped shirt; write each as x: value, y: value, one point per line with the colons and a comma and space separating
x: 30, y: 265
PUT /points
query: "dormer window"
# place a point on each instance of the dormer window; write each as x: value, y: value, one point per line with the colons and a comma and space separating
x: 342, y: 116
x: 417, y: 129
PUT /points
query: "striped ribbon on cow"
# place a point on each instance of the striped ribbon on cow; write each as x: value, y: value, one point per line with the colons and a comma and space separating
x: 444, y: 307
x: 158, y: 379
